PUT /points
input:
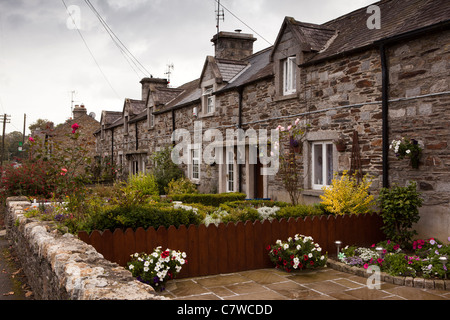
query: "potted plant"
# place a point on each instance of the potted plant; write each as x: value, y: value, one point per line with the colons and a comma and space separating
x: 158, y: 267
x: 407, y: 148
x: 340, y: 144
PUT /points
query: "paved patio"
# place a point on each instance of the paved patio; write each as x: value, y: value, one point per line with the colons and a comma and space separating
x: 273, y: 284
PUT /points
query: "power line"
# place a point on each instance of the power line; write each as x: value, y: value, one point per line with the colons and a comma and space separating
x: 123, y: 49
x: 92, y: 55
x: 221, y: 5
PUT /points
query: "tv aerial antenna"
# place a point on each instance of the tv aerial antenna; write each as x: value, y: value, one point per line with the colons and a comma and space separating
x: 220, y: 15
x: 72, y: 93
x: 170, y: 68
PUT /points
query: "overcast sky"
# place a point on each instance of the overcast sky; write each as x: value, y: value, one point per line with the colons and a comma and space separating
x: 43, y: 58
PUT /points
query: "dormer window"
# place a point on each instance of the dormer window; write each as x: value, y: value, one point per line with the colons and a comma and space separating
x: 289, y: 76
x: 208, y: 100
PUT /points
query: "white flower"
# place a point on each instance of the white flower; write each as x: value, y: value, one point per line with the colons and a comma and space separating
x: 298, y: 247
x: 278, y: 242
x: 319, y: 249
x: 322, y: 257
x: 310, y: 255
x: 285, y: 246
x: 145, y: 269
x: 131, y: 267
x: 183, y: 255
x: 408, y: 151
x: 146, y: 263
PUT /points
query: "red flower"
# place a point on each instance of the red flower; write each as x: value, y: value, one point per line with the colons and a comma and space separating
x: 165, y: 254
x: 305, y: 257
x: 311, y: 262
x: 75, y: 126
x: 268, y: 247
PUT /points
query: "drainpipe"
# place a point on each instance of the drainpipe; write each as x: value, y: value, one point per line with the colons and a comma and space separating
x: 173, y: 124
x: 240, y: 94
x: 385, y: 116
x: 112, y: 146
x: 136, y: 134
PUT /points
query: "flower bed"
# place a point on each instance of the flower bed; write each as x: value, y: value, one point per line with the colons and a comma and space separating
x: 427, y: 259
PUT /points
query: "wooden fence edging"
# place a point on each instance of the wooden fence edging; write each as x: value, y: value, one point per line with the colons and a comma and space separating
x: 232, y: 247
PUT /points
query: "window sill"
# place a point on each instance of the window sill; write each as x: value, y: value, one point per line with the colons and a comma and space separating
x: 286, y: 97
x: 312, y: 193
x: 206, y: 115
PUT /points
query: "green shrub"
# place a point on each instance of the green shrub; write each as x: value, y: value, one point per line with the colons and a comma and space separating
x: 256, y: 203
x: 209, y: 199
x: 136, y: 216
x: 165, y: 170
x: 181, y: 186
x: 399, y: 211
x: 300, y: 210
x: 239, y: 214
x: 145, y: 183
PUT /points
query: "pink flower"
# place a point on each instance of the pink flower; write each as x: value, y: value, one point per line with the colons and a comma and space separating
x: 63, y: 171
x: 75, y: 126
x: 31, y: 139
x: 366, y: 266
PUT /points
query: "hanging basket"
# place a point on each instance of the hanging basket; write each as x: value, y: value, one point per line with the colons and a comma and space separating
x: 340, y: 147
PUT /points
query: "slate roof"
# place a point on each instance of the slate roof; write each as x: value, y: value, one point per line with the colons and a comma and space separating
x: 396, y: 16
x: 339, y: 36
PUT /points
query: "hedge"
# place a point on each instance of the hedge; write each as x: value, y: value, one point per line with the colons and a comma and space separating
x: 214, y: 200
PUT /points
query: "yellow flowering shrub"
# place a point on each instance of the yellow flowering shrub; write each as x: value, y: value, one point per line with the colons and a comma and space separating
x: 347, y: 196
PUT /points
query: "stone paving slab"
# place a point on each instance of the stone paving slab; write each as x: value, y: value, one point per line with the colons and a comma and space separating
x: 272, y: 284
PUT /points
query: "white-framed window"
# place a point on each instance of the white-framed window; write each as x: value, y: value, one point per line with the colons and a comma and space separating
x: 151, y: 118
x: 230, y: 171
x: 289, y: 75
x: 195, y: 164
x: 209, y: 101
x: 321, y: 164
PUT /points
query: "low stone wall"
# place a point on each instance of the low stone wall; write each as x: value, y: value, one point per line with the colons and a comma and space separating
x: 62, y: 267
x: 432, y: 284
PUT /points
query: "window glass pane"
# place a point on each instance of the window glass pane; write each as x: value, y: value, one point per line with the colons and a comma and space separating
x: 329, y: 170
x: 230, y: 171
x: 210, y: 104
x: 195, y: 164
x: 289, y: 75
x: 318, y: 164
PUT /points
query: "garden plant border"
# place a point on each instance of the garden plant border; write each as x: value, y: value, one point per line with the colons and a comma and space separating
x: 422, y: 283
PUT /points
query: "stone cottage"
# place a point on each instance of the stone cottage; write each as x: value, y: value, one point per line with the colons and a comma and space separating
x: 365, y: 84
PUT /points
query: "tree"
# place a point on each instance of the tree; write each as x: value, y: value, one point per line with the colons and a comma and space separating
x: 164, y: 170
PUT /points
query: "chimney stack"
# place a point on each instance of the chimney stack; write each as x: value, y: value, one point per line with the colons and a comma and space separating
x: 233, y: 45
x: 79, y: 111
x: 149, y: 84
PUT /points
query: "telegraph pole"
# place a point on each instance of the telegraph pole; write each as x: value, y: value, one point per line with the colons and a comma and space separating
x: 5, y: 121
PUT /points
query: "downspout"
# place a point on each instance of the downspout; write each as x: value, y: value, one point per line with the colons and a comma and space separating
x: 136, y: 134
x: 240, y: 91
x: 173, y: 124
x: 112, y: 146
x: 385, y: 115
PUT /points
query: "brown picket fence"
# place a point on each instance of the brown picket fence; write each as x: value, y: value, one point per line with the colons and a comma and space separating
x: 233, y: 247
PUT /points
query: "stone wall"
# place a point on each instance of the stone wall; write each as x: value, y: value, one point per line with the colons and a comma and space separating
x: 419, y: 109
x: 62, y: 267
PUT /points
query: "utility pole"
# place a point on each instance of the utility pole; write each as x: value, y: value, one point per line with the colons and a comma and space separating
x: 5, y: 121
x: 24, y: 122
